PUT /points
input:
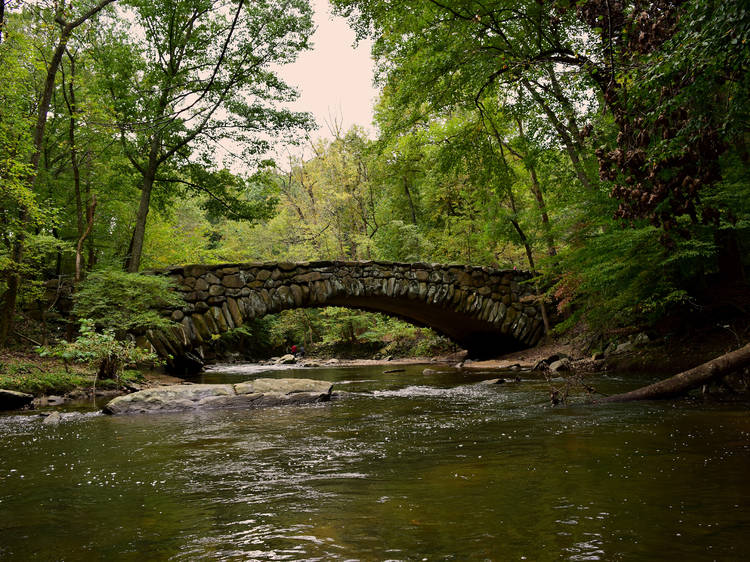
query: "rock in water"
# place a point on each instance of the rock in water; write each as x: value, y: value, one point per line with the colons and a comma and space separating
x: 283, y: 386
x: 251, y: 394
x: 287, y: 359
x: 53, y: 419
x: 492, y: 381
x: 10, y: 399
x: 559, y: 366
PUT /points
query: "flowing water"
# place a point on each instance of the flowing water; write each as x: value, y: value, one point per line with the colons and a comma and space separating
x: 405, y: 467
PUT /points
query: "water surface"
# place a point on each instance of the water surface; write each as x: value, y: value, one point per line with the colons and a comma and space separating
x: 406, y: 467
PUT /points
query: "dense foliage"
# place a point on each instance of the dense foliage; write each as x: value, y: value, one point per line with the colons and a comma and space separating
x: 125, y: 302
x: 601, y: 144
x: 103, y: 350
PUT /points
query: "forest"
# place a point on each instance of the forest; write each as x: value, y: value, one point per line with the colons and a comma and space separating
x: 601, y: 145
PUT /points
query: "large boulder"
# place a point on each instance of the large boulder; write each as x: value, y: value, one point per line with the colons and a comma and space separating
x: 252, y: 394
x: 10, y: 399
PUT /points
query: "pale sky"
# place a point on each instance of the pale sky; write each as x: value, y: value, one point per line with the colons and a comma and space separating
x: 334, y: 78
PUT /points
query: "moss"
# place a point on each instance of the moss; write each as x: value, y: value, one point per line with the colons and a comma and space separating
x: 26, y: 377
x: 40, y: 377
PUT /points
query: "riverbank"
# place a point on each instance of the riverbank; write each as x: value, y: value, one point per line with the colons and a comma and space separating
x: 51, y: 382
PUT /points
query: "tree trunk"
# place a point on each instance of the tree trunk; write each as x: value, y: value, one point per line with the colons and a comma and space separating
x: 133, y: 262
x: 8, y: 314
x: 49, y: 86
x: 79, y: 246
x: 565, y: 137
x: 687, y: 380
x: 532, y: 266
x: 91, y: 261
x: 412, y: 209
x: 69, y: 95
x: 10, y: 297
x: 536, y: 190
x: 2, y: 18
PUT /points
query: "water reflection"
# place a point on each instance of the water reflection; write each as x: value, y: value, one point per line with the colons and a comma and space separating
x: 406, y: 467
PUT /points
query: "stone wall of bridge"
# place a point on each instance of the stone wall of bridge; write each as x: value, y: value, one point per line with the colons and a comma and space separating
x: 485, y: 310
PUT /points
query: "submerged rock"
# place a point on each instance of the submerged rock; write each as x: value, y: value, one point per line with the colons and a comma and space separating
x: 52, y: 419
x: 251, y: 394
x: 10, y: 399
x: 500, y: 381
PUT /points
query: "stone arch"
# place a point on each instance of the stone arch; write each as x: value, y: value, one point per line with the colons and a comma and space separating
x: 485, y: 310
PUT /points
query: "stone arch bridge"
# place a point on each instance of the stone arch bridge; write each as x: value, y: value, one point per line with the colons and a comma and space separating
x: 487, y: 311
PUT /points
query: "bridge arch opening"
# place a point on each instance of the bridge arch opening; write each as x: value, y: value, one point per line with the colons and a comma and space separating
x: 331, y: 331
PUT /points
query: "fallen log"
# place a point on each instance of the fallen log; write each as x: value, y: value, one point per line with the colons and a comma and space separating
x: 687, y: 380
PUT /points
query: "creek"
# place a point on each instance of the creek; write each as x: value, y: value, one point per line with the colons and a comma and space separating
x: 405, y: 467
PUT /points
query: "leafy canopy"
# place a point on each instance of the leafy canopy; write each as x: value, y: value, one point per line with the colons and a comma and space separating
x: 125, y: 302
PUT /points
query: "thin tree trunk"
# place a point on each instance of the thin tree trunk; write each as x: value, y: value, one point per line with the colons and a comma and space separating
x: 70, y: 102
x: 529, y: 253
x: 687, y: 380
x: 565, y: 136
x: 530, y: 258
x: 411, y: 201
x: 9, y: 298
x: 66, y: 30
x: 536, y: 190
x: 91, y: 261
x: 58, y: 257
x: 79, y: 247
x: 49, y: 86
x: 2, y: 19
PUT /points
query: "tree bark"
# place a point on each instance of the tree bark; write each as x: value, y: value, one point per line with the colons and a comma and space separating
x: 79, y: 246
x: 133, y: 262
x: 412, y: 209
x: 687, y: 380
x: 2, y: 19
